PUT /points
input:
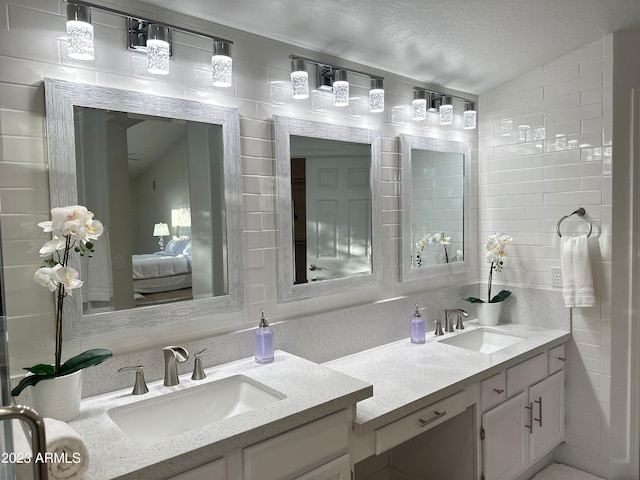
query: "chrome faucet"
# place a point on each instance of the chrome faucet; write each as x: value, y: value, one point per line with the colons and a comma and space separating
x: 173, y: 356
x: 448, y: 317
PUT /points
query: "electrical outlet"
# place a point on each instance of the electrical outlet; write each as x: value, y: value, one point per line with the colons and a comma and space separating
x: 556, y: 277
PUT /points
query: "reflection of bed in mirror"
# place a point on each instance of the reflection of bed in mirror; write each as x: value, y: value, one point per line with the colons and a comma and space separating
x: 163, y: 271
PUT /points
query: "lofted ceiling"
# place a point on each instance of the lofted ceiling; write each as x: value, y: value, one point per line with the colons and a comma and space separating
x: 468, y: 45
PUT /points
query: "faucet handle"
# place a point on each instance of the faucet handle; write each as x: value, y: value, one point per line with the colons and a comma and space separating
x: 140, y: 387
x: 459, y: 324
x: 198, y: 371
x: 439, y: 328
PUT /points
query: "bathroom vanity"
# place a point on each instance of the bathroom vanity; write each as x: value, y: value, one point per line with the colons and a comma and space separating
x: 449, y: 406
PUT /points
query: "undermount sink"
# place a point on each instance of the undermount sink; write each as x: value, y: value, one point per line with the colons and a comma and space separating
x: 482, y: 340
x: 156, y: 419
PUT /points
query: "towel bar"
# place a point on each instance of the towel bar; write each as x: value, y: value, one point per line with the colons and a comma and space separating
x: 580, y: 212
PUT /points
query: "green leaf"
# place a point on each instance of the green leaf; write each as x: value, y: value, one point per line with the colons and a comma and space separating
x: 41, y: 369
x: 500, y: 296
x: 473, y: 300
x: 85, y: 359
x: 28, y: 381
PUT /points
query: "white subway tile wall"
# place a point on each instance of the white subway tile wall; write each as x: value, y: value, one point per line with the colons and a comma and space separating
x: 524, y: 187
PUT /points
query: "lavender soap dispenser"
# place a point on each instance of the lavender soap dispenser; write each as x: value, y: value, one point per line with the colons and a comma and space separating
x: 264, y: 342
x: 417, y: 327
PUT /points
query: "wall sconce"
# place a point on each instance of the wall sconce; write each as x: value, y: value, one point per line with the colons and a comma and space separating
x: 469, y: 116
x: 143, y: 35
x: 161, y: 230
x: 221, y: 63
x: 340, y: 88
x: 299, y: 79
x: 376, y: 95
x: 446, y: 111
x: 419, y: 104
x: 333, y: 79
x: 79, y: 32
x: 425, y: 100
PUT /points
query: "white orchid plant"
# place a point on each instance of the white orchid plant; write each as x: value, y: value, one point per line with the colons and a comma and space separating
x: 496, y: 251
x: 73, y: 228
x: 433, y: 239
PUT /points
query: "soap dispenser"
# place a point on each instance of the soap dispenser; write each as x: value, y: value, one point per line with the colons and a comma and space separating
x: 264, y: 341
x: 417, y: 327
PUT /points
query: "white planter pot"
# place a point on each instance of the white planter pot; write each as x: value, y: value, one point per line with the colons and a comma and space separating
x: 58, y: 397
x: 489, y: 313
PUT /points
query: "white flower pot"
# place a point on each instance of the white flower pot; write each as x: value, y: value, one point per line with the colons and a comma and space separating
x: 58, y: 397
x: 489, y: 313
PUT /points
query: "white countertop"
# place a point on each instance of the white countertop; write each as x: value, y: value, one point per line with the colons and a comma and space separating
x: 407, y: 377
x: 312, y: 391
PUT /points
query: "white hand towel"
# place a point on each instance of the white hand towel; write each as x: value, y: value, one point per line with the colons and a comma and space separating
x: 70, y: 456
x: 577, y: 288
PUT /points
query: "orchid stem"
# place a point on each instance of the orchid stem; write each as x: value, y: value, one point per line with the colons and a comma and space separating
x: 490, y: 280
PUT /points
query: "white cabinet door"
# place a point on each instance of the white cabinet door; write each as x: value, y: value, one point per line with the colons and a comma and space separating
x: 505, y: 444
x: 338, y: 469
x: 215, y: 470
x: 547, y: 398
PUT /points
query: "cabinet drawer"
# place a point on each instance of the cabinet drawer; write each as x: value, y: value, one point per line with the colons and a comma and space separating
x: 414, y: 424
x: 527, y: 373
x: 493, y: 391
x: 299, y: 449
x: 556, y: 359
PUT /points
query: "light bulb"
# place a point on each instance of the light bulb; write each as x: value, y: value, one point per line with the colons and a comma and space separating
x: 340, y: 89
x: 79, y: 32
x: 376, y: 96
x: 299, y: 79
x: 158, y: 49
x: 221, y: 64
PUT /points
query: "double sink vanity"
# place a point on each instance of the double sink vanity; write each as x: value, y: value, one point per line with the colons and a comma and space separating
x: 296, y: 419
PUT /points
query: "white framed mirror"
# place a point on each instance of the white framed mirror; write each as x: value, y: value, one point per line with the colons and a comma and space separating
x: 163, y: 176
x: 435, y: 192
x: 328, y: 187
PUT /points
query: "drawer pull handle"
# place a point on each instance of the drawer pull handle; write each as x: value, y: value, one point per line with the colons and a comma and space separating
x: 499, y: 391
x: 530, y: 408
x: 562, y: 359
x: 424, y: 423
x: 539, y: 402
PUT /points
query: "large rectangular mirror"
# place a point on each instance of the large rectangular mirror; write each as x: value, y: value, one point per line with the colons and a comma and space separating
x: 328, y: 208
x: 435, y: 187
x: 163, y: 175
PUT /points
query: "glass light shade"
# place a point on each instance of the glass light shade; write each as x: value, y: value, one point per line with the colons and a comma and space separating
x: 79, y: 32
x: 340, y: 89
x: 419, y: 109
x: 469, y: 118
x: 299, y: 79
x: 446, y: 111
x: 158, y: 50
x: 376, y: 96
x: 221, y: 64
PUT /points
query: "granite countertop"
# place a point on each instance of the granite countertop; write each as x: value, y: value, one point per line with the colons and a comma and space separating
x: 312, y: 391
x: 407, y: 377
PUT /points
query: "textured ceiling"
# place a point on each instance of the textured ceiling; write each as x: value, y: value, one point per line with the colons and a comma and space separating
x: 469, y: 45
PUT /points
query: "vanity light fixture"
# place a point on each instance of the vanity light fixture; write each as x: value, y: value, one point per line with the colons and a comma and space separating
x: 333, y: 79
x: 79, y: 32
x: 340, y: 88
x: 429, y: 101
x: 158, y: 49
x: 221, y: 63
x: 419, y: 104
x: 469, y: 116
x: 299, y: 79
x: 446, y: 111
x: 143, y: 34
x: 376, y: 95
